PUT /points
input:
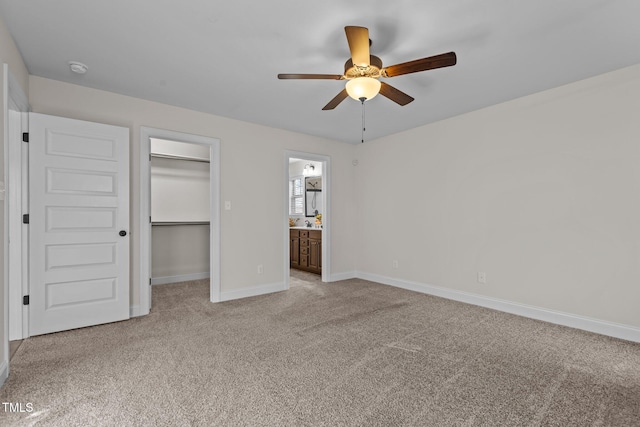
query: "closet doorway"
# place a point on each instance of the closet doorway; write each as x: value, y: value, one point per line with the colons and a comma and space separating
x: 179, y: 211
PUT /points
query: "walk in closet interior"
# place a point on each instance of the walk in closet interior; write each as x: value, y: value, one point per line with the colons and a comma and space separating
x: 180, y: 216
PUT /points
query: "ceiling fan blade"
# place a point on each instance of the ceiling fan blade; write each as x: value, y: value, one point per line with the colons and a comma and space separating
x: 396, y: 95
x: 337, y: 100
x: 311, y: 76
x: 358, y: 39
x: 424, y: 64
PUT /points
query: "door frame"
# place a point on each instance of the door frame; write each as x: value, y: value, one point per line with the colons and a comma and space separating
x: 146, y: 133
x: 326, y: 215
x: 16, y: 200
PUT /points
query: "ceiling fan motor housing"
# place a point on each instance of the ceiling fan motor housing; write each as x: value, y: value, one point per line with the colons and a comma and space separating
x: 373, y: 70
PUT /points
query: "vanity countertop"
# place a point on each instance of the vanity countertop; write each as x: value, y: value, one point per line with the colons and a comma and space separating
x: 305, y: 228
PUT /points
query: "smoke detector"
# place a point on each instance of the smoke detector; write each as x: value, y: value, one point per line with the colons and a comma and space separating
x: 78, y: 67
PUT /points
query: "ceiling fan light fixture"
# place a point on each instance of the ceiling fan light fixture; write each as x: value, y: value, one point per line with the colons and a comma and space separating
x: 363, y: 87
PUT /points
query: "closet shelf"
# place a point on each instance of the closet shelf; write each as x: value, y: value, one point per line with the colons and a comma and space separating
x: 174, y: 157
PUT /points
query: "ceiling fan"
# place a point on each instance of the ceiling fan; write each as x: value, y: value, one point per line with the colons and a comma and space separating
x: 363, y: 71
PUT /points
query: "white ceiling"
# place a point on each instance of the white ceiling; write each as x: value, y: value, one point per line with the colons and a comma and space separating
x: 222, y: 57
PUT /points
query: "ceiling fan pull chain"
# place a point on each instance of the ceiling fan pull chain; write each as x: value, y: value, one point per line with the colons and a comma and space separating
x: 363, y: 129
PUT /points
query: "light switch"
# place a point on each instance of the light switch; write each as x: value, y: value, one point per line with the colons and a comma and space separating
x: 227, y: 205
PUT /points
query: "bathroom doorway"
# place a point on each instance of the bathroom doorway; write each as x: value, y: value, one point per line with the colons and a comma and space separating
x: 307, y: 209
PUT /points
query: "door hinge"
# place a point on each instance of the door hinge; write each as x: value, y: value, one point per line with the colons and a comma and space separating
x: 25, y: 136
x: 149, y: 280
x: 25, y: 300
x: 25, y: 219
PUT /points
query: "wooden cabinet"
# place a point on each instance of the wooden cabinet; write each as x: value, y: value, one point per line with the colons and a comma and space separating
x: 315, y: 254
x: 294, y: 248
x: 305, y: 247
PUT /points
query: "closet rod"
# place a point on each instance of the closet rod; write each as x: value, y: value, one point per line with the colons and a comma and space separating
x: 181, y: 223
x: 174, y: 157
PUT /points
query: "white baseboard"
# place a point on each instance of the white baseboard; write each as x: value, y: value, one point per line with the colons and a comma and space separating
x: 616, y: 330
x: 336, y: 277
x: 4, y: 372
x: 176, y: 279
x: 252, y: 292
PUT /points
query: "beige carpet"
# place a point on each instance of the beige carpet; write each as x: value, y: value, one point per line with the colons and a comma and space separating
x: 351, y: 353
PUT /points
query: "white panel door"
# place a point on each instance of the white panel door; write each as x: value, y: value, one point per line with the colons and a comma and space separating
x: 78, y: 223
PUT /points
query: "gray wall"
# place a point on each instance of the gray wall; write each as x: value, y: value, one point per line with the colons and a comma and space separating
x: 542, y: 193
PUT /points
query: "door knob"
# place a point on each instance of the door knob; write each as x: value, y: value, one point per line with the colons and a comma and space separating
x: 122, y: 233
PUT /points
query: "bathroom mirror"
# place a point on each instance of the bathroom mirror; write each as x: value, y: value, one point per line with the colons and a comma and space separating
x: 313, y: 195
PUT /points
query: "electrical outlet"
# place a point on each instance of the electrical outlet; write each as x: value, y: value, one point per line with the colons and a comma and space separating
x: 260, y: 269
x: 395, y: 263
x: 482, y: 277
x: 227, y: 205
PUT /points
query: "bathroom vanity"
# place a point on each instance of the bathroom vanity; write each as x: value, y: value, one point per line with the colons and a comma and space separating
x: 305, y: 249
